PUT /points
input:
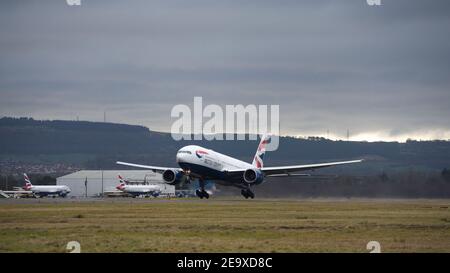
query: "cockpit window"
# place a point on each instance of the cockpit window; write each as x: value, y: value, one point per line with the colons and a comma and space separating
x: 184, y: 152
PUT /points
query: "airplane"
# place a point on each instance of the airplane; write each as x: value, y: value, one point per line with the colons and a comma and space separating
x: 205, y: 165
x: 45, y: 190
x: 138, y: 190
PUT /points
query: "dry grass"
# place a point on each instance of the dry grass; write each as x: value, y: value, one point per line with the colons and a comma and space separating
x: 259, y: 225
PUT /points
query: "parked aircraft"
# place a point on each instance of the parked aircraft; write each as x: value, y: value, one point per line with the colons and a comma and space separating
x: 138, y: 190
x: 45, y: 190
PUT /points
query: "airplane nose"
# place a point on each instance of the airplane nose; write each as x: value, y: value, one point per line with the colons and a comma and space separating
x: 179, y: 157
x: 183, y: 156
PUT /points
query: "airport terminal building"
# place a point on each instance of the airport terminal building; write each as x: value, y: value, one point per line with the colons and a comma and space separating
x: 90, y: 183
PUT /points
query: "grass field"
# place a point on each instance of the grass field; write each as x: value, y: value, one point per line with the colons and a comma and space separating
x: 219, y: 225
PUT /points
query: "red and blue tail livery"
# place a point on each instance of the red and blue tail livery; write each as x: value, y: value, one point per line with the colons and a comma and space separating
x: 259, y: 156
x: 28, y: 184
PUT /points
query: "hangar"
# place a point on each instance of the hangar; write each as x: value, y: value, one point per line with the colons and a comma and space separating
x: 89, y: 183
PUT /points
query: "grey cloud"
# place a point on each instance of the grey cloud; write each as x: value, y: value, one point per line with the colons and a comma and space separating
x: 329, y: 64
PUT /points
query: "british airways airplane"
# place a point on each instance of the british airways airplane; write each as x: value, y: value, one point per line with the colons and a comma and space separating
x: 138, y: 190
x: 207, y: 165
x: 44, y: 190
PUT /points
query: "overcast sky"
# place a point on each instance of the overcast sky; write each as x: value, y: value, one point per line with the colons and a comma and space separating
x: 382, y: 72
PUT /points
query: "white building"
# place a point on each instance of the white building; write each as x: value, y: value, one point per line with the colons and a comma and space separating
x: 96, y: 182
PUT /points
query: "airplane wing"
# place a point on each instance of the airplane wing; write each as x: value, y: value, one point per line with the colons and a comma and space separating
x: 153, y: 168
x: 268, y: 171
x: 287, y: 170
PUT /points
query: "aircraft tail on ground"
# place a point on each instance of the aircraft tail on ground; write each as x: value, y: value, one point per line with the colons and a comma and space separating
x: 121, y: 184
x: 28, y: 184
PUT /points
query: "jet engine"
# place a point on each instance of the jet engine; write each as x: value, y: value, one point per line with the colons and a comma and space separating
x: 253, y: 176
x: 172, y: 177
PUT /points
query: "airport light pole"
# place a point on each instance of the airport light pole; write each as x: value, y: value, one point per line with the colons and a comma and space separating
x: 85, y: 187
x: 102, y: 183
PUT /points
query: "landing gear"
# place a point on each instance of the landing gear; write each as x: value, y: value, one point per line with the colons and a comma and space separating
x: 188, y: 176
x: 202, y: 193
x: 247, y: 193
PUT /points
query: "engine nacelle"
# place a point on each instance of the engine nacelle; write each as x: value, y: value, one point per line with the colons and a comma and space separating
x: 253, y: 176
x: 172, y: 177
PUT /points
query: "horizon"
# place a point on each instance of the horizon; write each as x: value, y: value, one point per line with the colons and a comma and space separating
x: 330, y: 137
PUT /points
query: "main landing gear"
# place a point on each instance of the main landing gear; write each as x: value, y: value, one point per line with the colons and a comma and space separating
x: 247, y: 193
x: 202, y: 193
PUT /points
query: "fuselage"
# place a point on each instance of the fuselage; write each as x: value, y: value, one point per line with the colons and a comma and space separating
x: 208, y: 164
x: 50, y: 190
x: 140, y: 189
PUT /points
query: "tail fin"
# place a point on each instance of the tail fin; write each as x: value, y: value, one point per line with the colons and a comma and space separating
x: 121, y: 179
x: 28, y: 184
x: 121, y: 184
x: 258, y: 160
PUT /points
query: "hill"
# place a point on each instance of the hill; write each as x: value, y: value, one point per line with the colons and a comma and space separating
x: 392, y: 169
x: 98, y: 144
